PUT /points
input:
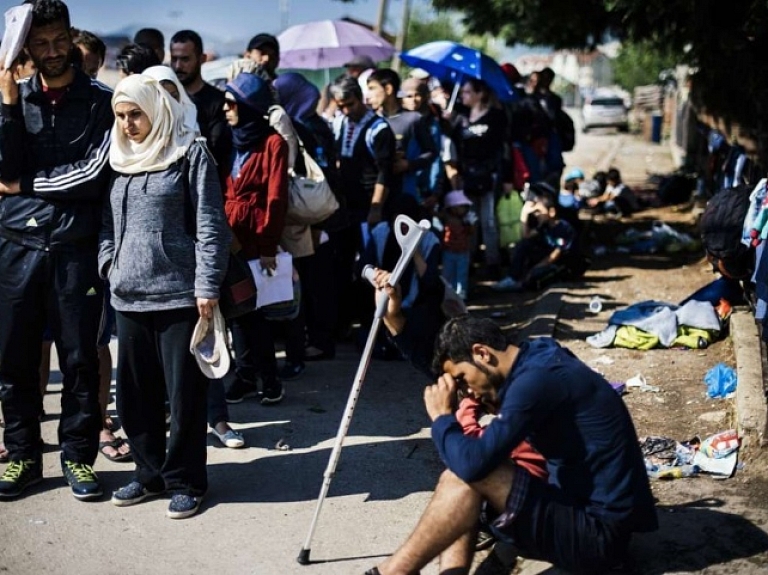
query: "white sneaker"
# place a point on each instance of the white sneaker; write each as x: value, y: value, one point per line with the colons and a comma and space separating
x: 230, y: 438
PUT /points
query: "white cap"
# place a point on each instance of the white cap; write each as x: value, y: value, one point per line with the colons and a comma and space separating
x: 209, y: 345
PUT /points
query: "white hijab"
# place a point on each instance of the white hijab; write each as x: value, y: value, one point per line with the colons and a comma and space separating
x: 166, y: 74
x: 168, y: 139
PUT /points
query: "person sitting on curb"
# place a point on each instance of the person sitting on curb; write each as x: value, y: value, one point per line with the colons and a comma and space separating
x: 546, y: 252
x: 597, y: 494
x: 617, y: 200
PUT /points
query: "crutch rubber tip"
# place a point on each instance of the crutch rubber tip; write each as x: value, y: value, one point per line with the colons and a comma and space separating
x: 303, y: 557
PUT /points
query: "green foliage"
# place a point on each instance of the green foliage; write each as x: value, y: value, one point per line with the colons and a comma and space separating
x: 422, y: 30
x: 639, y: 64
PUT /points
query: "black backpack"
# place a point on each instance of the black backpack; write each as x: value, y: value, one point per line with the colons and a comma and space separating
x: 721, y: 229
x: 566, y: 130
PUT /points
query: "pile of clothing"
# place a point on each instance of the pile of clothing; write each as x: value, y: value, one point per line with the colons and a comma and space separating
x: 649, y: 324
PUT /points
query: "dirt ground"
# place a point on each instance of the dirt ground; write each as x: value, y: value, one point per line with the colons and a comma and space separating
x: 680, y: 410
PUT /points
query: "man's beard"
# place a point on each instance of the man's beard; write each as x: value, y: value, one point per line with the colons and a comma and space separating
x: 188, y: 79
x: 54, y: 67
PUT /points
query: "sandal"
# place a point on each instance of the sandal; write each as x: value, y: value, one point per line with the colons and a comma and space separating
x: 115, y: 444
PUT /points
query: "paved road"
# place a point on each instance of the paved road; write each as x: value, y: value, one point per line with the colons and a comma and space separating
x: 261, y: 500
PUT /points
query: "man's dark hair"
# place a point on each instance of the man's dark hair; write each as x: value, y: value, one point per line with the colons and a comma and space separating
x: 346, y: 87
x: 184, y: 36
x: 459, y: 334
x: 135, y: 58
x: 546, y: 75
x: 386, y: 77
x: 47, y: 12
x: 151, y: 37
x: 614, y: 176
x: 91, y: 42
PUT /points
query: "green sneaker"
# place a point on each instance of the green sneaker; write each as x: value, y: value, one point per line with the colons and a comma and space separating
x: 18, y: 476
x: 82, y: 479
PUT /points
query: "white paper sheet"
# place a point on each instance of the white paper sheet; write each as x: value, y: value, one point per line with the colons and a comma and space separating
x: 276, y: 287
x: 17, y: 22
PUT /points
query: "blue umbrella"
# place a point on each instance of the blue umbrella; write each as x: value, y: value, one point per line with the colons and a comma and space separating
x: 445, y: 59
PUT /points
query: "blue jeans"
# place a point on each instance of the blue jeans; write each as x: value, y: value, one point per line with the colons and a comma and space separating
x: 485, y: 206
x: 456, y: 271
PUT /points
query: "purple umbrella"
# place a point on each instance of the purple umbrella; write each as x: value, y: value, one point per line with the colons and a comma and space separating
x: 329, y: 44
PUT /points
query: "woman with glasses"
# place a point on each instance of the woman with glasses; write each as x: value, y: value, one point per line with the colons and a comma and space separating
x: 164, y: 273
x: 256, y: 201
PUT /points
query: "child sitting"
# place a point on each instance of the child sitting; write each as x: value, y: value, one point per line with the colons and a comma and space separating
x: 617, y: 199
x: 459, y: 226
x: 547, y: 251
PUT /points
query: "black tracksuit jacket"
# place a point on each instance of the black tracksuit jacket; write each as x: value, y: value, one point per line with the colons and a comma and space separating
x: 60, y: 155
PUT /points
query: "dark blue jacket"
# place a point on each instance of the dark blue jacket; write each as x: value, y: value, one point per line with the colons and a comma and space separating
x: 575, y: 419
x: 60, y: 155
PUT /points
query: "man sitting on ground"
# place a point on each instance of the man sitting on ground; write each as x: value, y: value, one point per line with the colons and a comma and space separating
x: 597, y: 494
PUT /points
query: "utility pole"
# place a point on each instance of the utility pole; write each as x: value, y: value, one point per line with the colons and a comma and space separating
x: 285, y: 12
x: 381, y: 17
x: 403, y: 35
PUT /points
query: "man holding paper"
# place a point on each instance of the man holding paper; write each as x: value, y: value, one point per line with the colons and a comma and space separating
x: 54, y: 174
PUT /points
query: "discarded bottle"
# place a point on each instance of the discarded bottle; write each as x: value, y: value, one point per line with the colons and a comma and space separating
x: 596, y: 305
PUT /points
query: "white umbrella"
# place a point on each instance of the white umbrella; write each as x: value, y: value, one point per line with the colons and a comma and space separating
x: 329, y: 44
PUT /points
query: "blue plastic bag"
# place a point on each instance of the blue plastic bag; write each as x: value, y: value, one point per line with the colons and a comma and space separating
x: 721, y: 380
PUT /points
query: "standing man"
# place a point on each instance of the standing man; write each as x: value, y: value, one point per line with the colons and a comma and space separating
x: 187, y: 57
x: 365, y: 146
x: 54, y: 174
x: 415, y: 148
x: 152, y: 38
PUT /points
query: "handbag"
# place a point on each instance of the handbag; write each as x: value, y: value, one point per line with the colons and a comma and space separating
x: 237, y: 294
x: 310, y: 198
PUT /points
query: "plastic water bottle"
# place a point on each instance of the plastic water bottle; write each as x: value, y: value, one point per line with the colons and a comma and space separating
x: 596, y: 305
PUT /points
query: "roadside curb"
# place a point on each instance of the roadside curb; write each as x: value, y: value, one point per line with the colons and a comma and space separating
x: 751, y: 410
x: 544, y: 315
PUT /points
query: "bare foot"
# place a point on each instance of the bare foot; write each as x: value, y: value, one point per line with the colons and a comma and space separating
x: 112, y: 447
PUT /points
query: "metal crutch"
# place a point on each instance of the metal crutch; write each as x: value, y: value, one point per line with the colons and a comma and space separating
x: 409, y: 241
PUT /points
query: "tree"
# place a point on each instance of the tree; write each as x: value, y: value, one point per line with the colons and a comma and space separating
x: 724, y: 42
x: 422, y: 30
x: 640, y: 63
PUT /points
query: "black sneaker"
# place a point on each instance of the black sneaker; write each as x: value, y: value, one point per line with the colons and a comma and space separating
x: 183, y: 506
x: 240, y: 390
x: 272, y: 394
x: 82, y: 479
x: 131, y: 494
x: 18, y: 476
x: 291, y: 370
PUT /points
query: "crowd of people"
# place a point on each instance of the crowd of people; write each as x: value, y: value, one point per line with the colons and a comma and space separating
x: 119, y: 211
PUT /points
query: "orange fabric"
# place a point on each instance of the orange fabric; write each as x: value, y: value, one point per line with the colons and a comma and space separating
x: 468, y: 415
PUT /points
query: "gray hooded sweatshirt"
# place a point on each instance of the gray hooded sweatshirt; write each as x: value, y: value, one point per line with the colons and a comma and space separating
x: 147, y: 247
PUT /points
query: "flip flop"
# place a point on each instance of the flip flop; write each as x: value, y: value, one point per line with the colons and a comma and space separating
x: 115, y: 444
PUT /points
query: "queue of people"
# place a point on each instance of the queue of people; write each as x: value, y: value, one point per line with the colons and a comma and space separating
x: 101, y: 216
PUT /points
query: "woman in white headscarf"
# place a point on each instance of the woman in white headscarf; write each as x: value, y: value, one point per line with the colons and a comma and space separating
x: 168, y: 80
x: 164, y: 248
x: 218, y: 412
